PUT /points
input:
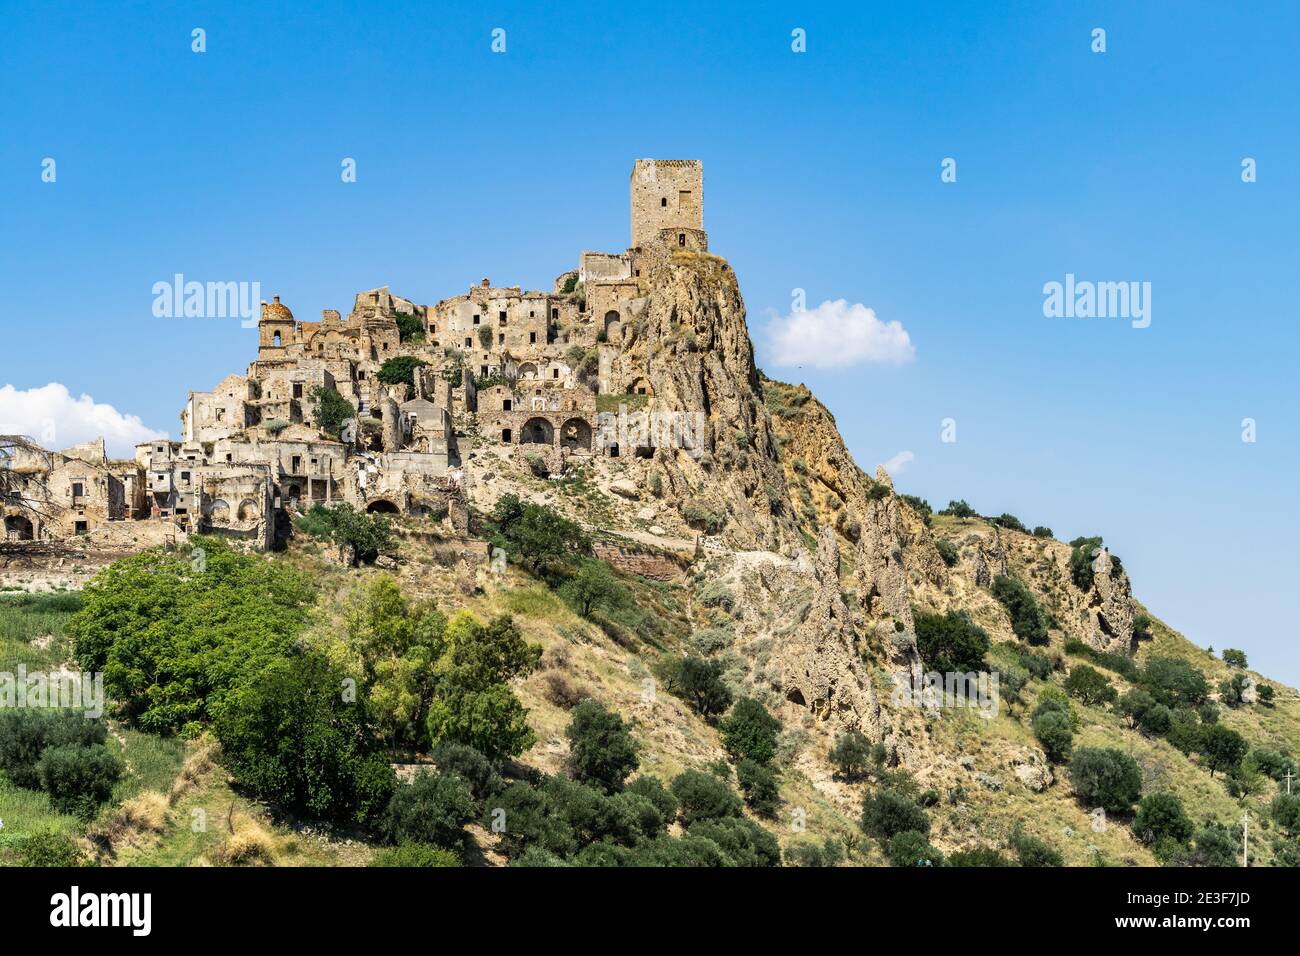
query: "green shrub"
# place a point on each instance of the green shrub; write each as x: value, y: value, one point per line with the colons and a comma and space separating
x: 1042, y: 532
x: 49, y: 848
x: 1033, y: 852
x: 1010, y: 522
x: 1054, y: 732
x: 950, y: 643
x: 959, y: 509
x: 534, y: 535
x: 1285, y: 810
x: 1234, y: 658
x: 399, y: 370
x: 1174, y: 682
x: 759, y: 786
x: 1081, y: 558
x: 947, y: 551
x: 594, y: 588
x: 432, y: 809
x: 702, y: 796
x: 850, y: 754
x: 886, y: 813
x: 1105, y: 777
x: 749, y: 732
x: 601, y: 750
x: 410, y: 328
x: 742, y: 842
x: 806, y: 853
x: 911, y: 848
x: 699, y: 683
x: 1027, y: 619
x: 289, y: 735
x: 980, y: 856
x: 481, y: 774
x: 26, y: 733
x: 329, y: 409
x: 1159, y: 817
x: 701, y: 515
x: 78, y: 779
x: 1089, y: 686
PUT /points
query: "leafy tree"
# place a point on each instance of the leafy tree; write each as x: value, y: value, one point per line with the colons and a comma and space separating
x: 1223, y: 748
x: 1027, y: 619
x: 701, y: 686
x: 959, y: 509
x: 742, y: 842
x: 1285, y: 810
x: 806, y: 853
x: 1106, y: 777
x: 330, y: 410
x: 1042, y: 532
x: 1089, y: 686
x: 1134, y: 704
x: 1160, y: 816
x: 1186, y: 732
x: 594, y: 587
x: 358, y: 536
x: 951, y: 643
x: 601, y: 750
x: 758, y: 784
x: 432, y: 809
x: 1233, y: 690
x: 1054, y: 732
x: 481, y: 774
x: 1010, y: 522
x: 292, y: 735
x: 1234, y: 658
x: 1157, y: 720
x: 653, y: 792
x: 1265, y: 693
x: 534, y: 535
x: 174, y: 632
x: 850, y: 754
x: 1274, y: 764
x: 473, y: 703
x: 749, y: 732
x: 1174, y: 682
x: 393, y: 645
x: 887, y: 813
x: 79, y: 779
x: 410, y: 328
x: 911, y: 848
x: 702, y: 796
x: 399, y: 370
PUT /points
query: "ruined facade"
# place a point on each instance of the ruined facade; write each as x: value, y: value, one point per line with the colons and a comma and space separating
x: 380, y: 409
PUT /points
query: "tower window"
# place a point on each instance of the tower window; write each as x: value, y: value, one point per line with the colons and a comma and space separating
x: 664, y: 201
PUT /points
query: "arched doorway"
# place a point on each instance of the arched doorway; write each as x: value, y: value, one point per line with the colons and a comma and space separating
x: 18, y: 528
x: 248, y: 510
x: 219, y: 512
x: 382, y: 506
x: 613, y: 327
x: 575, y: 434
x: 537, y: 431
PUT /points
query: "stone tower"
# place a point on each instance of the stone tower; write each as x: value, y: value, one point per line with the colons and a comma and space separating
x: 666, y: 194
x: 275, y: 329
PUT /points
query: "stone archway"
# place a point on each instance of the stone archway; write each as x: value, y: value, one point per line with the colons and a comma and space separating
x: 575, y: 434
x: 248, y: 510
x: 382, y: 506
x: 537, y: 431
x: 613, y: 326
x: 219, y: 512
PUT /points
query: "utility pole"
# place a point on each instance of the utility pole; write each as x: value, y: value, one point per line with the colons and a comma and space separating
x: 1288, y: 783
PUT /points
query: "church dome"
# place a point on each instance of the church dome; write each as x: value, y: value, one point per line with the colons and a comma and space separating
x: 274, y: 310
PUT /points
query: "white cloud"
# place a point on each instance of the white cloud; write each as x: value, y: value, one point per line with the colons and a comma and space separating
x: 899, y: 462
x: 837, y: 335
x: 56, y: 420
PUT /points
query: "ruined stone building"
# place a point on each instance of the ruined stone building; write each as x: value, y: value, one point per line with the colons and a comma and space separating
x: 541, y: 372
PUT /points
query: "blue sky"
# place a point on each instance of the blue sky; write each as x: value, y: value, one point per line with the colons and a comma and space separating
x: 821, y: 173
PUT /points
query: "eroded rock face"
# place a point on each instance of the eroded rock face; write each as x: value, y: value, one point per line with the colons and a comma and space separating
x: 691, y: 344
x: 882, y: 579
x: 819, y: 664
